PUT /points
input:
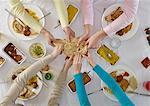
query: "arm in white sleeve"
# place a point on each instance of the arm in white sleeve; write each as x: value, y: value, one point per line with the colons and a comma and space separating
x: 20, y: 81
x: 58, y: 89
x: 19, y: 11
x: 130, y: 9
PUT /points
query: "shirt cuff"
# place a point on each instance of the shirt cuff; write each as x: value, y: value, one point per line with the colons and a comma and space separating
x: 108, y: 30
x: 78, y: 76
x: 96, y: 67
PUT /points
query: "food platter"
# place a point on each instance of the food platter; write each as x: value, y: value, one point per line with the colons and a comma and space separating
x: 14, y: 53
x: 38, y: 13
x: 32, y: 89
x: 129, y: 79
x: 132, y: 29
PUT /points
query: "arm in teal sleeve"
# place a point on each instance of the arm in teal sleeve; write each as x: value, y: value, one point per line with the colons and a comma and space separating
x: 81, y: 92
x: 113, y: 85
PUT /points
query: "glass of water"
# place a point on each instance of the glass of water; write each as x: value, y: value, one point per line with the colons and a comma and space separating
x: 115, y: 43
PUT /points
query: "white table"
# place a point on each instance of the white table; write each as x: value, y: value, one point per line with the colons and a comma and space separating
x: 131, y: 53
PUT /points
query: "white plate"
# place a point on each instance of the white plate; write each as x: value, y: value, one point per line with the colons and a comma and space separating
x: 18, y: 52
x: 37, y: 90
x: 126, y: 36
x: 39, y: 13
x: 122, y: 68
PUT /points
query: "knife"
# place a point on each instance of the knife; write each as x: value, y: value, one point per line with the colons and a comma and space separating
x: 15, y: 17
x: 132, y: 92
x: 45, y: 16
x: 95, y: 91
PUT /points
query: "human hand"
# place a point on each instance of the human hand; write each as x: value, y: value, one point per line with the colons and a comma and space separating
x: 58, y: 49
x: 86, y: 34
x: 83, y: 38
x: 49, y: 37
x: 69, y: 33
x: 92, y: 41
x: 68, y: 63
x: 90, y: 59
x: 77, y: 63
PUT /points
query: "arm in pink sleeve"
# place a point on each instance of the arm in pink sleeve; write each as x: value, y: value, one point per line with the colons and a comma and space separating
x: 87, y: 7
x: 130, y: 9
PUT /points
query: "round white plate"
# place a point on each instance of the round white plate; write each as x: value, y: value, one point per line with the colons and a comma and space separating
x: 126, y: 36
x: 39, y: 82
x: 37, y: 90
x: 39, y: 13
x: 122, y: 68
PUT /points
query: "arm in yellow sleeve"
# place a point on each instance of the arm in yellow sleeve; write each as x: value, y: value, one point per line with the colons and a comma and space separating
x: 18, y: 10
x: 62, y: 12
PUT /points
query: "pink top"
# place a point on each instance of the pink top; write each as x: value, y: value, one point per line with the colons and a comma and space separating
x: 88, y: 14
x: 129, y: 7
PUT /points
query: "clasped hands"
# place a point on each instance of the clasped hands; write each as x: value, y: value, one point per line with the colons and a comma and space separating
x: 75, y: 59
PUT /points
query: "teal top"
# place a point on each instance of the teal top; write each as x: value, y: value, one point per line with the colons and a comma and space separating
x: 81, y: 92
x: 109, y: 81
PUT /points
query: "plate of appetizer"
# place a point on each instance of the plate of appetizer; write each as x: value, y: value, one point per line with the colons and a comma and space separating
x: 86, y: 80
x: 111, y: 14
x: 32, y: 87
x: 37, y: 50
x: 124, y: 77
x: 14, y: 53
x: 22, y: 31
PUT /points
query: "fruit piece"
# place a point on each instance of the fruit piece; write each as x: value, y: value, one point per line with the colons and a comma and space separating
x: 147, y: 85
x: 133, y: 83
x: 113, y: 74
x: 126, y: 74
x: 124, y: 84
x: 119, y: 78
x: 146, y: 62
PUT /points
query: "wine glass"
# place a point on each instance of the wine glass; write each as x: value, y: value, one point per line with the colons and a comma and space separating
x: 115, y: 43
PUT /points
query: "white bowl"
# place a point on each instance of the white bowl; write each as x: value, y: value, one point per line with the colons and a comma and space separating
x: 43, y: 47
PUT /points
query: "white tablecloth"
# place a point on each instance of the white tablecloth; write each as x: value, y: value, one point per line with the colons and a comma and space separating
x: 131, y: 53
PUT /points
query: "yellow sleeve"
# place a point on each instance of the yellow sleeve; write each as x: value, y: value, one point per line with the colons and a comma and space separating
x: 62, y: 12
x: 18, y: 9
